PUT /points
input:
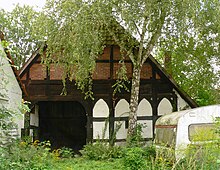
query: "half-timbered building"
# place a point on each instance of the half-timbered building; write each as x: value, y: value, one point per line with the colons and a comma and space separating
x: 71, y: 121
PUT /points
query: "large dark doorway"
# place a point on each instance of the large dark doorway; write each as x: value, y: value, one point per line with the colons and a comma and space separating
x: 63, y: 124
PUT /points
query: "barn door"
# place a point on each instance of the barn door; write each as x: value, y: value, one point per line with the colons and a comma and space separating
x: 63, y: 124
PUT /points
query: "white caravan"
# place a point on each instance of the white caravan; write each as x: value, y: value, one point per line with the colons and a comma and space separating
x: 176, y: 130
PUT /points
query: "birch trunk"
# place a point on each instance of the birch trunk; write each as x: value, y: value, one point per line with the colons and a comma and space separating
x: 134, y: 102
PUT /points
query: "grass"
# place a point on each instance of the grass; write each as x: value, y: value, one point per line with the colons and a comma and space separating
x: 101, y: 156
x: 83, y: 164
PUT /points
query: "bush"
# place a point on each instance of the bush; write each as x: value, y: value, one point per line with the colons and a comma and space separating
x: 20, y: 155
x: 134, y: 158
x: 149, y: 152
x: 202, y: 156
x: 63, y: 153
x: 101, y: 151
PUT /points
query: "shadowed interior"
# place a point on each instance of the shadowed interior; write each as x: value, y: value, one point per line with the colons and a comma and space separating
x: 63, y: 124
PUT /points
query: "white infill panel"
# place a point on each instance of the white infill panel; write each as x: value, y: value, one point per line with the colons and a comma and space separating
x: 101, y: 129
x: 34, y: 117
x: 164, y: 107
x: 122, y: 132
x: 121, y: 110
x: 101, y: 109
x: 181, y: 103
x: 144, y: 108
x: 147, y: 129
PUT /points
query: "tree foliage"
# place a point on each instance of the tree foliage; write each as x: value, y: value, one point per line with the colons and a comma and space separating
x: 192, y: 41
x: 19, y: 29
x: 76, y: 32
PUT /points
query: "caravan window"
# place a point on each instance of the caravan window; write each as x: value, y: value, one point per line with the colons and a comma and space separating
x: 202, y: 132
x: 165, y: 135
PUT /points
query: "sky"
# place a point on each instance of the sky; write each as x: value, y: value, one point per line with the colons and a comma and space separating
x: 8, y: 5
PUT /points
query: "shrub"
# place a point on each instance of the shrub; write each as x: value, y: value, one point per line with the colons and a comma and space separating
x: 201, y: 156
x: 63, y: 152
x: 136, y: 140
x: 164, y: 159
x: 101, y: 151
x: 21, y: 155
x: 134, y: 158
x: 149, y: 152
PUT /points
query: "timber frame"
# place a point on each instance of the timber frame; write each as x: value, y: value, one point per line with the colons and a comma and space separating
x: 155, y: 85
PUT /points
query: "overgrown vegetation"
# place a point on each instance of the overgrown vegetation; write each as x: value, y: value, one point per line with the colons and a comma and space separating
x: 101, y: 151
x: 26, y: 155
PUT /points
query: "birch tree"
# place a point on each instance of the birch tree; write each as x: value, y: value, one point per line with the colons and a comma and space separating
x: 75, y: 31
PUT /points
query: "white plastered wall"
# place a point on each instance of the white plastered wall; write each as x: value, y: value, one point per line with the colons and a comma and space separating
x: 164, y: 107
x: 100, y: 109
x: 11, y: 89
x: 121, y: 110
x: 145, y: 109
x: 181, y: 103
x: 34, y: 117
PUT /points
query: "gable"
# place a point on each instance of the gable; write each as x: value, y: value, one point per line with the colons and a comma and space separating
x: 107, y: 66
x: 106, y: 69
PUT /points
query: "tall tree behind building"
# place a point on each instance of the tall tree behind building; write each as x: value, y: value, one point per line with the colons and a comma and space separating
x: 18, y: 27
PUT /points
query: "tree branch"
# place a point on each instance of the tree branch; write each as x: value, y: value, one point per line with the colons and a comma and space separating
x: 129, y: 51
x: 154, y: 37
x: 137, y: 28
x: 144, y: 30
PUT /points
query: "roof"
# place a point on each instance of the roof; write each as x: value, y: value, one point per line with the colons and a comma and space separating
x: 29, y: 62
x: 15, y: 71
x: 173, y: 118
